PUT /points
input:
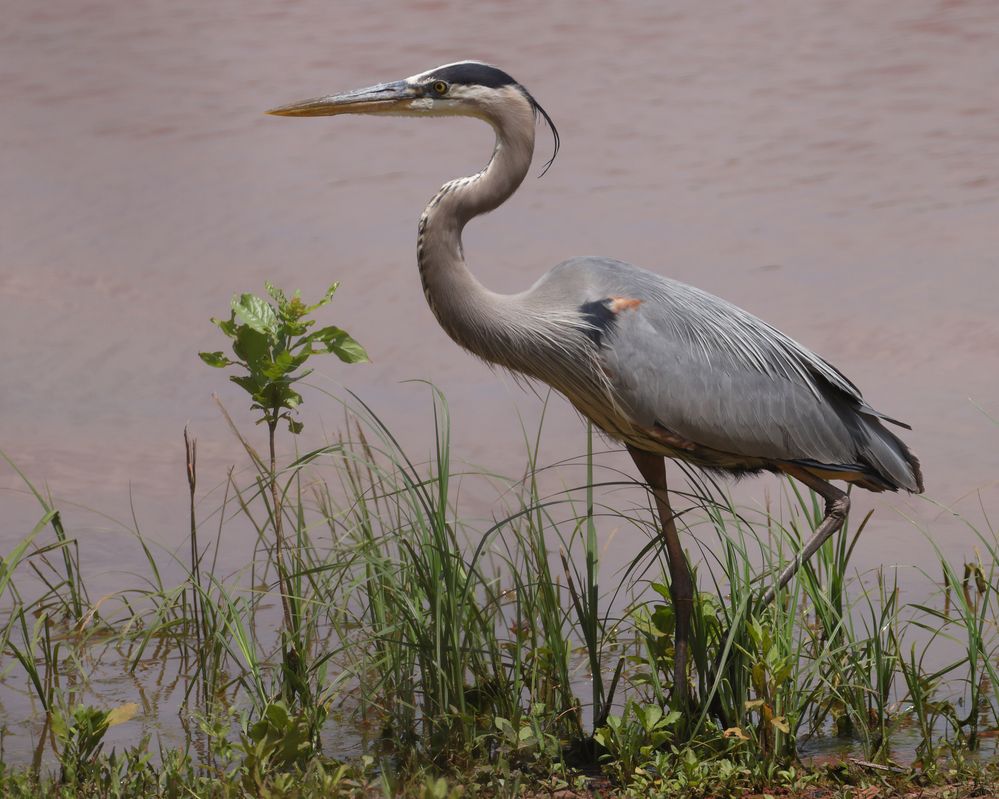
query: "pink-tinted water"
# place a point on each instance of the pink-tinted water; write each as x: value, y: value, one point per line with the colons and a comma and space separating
x: 832, y: 167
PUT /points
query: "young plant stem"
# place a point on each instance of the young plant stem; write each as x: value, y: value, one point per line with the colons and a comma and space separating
x: 278, y: 528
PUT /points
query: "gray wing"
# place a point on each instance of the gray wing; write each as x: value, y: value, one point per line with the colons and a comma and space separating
x: 720, y: 377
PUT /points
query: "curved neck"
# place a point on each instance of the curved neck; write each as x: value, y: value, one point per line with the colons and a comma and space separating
x: 471, y: 314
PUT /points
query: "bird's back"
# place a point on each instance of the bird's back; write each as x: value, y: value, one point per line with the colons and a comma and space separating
x: 709, y: 381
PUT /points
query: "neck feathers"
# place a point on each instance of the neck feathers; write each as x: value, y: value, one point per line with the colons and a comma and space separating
x: 471, y: 314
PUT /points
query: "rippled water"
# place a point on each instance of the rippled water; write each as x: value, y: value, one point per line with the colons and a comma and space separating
x: 832, y: 167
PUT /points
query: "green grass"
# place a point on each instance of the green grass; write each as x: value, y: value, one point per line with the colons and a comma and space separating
x: 498, y: 653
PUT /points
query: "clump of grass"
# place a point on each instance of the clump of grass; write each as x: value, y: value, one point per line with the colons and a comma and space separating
x: 449, y: 645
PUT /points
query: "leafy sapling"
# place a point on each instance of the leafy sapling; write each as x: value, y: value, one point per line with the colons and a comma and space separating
x: 272, y: 342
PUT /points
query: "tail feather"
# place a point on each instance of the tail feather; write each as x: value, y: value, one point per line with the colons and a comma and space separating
x: 889, y: 456
x: 869, y: 411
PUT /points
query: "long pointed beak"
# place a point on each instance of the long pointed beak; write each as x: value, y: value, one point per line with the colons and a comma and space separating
x: 380, y: 99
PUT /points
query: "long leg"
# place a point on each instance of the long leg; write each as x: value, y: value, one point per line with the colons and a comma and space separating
x: 837, y: 506
x: 653, y: 470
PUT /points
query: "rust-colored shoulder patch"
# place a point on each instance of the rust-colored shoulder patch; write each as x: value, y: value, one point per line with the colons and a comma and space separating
x: 618, y: 304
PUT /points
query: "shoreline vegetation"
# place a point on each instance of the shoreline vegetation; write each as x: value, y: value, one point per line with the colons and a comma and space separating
x: 486, y: 658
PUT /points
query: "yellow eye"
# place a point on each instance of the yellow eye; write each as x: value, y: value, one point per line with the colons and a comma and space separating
x: 440, y: 87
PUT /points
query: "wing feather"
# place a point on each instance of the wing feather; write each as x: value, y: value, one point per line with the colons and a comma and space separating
x: 716, y: 375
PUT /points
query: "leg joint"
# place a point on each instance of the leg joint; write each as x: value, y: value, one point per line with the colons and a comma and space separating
x: 838, y: 507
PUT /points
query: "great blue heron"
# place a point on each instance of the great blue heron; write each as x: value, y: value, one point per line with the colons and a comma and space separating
x: 663, y: 367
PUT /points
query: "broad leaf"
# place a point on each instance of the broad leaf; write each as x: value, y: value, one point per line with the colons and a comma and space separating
x: 256, y: 312
x: 340, y: 344
x: 349, y: 351
x: 253, y: 347
x: 249, y: 384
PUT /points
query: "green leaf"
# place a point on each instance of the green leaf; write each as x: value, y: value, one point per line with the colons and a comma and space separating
x: 248, y: 383
x: 349, y: 351
x: 294, y: 427
x: 277, y: 715
x: 60, y: 727
x: 663, y: 590
x: 295, y: 327
x: 227, y: 326
x: 299, y: 375
x: 651, y: 716
x: 253, y: 347
x: 284, y: 363
x: 326, y: 298
x: 216, y: 359
x: 276, y: 294
x: 257, y: 313
x: 340, y: 344
x: 663, y: 620
x: 289, y: 398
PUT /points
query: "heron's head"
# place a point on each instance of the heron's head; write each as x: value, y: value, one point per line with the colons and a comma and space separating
x: 465, y: 88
